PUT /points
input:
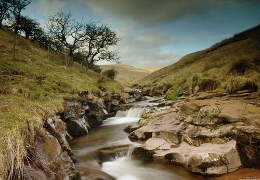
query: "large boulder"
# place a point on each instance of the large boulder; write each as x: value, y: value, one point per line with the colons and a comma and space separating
x: 78, y: 127
x: 80, y: 115
x: 207, y: 159
x: 94, y: 113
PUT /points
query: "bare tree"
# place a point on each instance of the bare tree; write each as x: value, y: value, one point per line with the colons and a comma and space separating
x: 38, y: 35
x: 89, y: 39
x: 98, y: 39
x: 4, y: 10
x: 65, y: 32
x: 17, y: 7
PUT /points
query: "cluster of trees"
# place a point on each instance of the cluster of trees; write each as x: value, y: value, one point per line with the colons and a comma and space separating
x: 85, y: 42
x: 11, y: 9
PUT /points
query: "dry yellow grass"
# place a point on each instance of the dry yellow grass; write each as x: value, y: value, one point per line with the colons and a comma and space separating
x: 127, y: 74
x: 153, y: 68
x: 229, y: 66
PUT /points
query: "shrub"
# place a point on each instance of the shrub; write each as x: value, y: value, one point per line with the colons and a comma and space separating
x: 193, y: 86
x: 241, y: 66
x: 240, y: 83
x: 161, y: 89
x: 256, y: 61
x: 96, y: 69
x: 208, y: 84
x: 173, y: 95
x: 110, y: 73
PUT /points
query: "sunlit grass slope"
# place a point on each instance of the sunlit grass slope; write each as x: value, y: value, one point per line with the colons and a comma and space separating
x: 127, y: 74
x: 228, y: 66
x: 33, y: 87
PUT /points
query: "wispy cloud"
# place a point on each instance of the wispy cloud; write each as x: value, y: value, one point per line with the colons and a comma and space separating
x: 47, y: 7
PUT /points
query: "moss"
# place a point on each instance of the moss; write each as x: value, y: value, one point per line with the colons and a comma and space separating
x: 210, y: 114
x: 142, y: 153
x: 221, y: 161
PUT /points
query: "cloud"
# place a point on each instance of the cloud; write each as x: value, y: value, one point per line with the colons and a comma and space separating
x: 143, y: 49
x: 155, y: 32
x: 47, y: 7
x: 154, y: 12
x: 153, y: 38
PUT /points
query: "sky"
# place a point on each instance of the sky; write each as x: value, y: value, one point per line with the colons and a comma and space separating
x: 158, y: 32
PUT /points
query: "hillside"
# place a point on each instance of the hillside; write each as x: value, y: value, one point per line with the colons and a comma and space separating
x: 127, y: 74
x: 33, y: 88
x: 153, y: 68
x: 229, y: 66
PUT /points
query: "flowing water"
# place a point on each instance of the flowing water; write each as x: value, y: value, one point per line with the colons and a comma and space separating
x: 111, y: 134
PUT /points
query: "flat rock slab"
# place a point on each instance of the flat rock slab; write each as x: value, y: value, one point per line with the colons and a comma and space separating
x: 204, y: 133
x: 205, y: 159
x: 157, y: 143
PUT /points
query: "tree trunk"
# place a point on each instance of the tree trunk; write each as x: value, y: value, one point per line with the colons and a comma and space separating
x: 66, y: 59
x: 14, y: 45
x: 48, y: 55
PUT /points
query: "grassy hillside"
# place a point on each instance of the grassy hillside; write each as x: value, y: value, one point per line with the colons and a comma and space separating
x: 127, y: 74
x: 228, y: 66
x: 153, y: 68
x: 33, y: 88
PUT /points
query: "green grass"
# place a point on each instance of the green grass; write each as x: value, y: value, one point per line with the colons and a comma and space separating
x: 34, y: 88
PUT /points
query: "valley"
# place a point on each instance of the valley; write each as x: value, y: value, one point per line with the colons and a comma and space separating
x: 206, y: 116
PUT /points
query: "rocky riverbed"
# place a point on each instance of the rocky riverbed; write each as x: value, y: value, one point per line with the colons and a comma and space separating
x: 209, y: 134
x: 49, y: 153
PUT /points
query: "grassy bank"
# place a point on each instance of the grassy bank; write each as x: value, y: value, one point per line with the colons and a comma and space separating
x: 33, y: 88
x: 229, y: 66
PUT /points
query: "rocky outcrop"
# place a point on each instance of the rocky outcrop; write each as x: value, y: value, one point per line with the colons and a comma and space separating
x: 82, y: 114
x: 51, y: 157
x: 209, y: 133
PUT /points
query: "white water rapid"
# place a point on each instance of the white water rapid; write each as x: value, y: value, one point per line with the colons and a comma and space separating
x: 135, y: 112
x: 126, y: 168
x: 123, y: 167
x: 130, y: 116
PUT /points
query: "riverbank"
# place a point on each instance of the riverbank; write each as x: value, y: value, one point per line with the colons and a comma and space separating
x: 210, y: 133
x: 33, y: 89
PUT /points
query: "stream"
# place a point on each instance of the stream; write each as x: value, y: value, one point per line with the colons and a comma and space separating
x: 123, y: 167
x: 111, y: 134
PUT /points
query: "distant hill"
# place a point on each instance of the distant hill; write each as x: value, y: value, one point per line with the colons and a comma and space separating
x: 127, y: 74
x: 153, y: 68
x: 229, y: 66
